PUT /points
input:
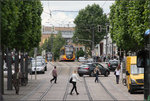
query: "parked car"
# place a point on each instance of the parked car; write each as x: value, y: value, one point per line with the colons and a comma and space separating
x: 38, y: 66
x: 90, y: 60
x: 113, y: 64
x: 6, y: 71
x: 41, y: 59
x: 88, y: 69
x: 81, y: 59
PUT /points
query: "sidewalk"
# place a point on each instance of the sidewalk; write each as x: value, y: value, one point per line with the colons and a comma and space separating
x: 9, y: 95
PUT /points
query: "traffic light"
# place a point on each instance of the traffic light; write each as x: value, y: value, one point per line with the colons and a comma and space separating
x: 99, y: 28
x: 107, y: 28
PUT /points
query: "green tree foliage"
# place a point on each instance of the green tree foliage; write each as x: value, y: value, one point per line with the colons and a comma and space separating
x: 21, y: 24
x: 58, y: 42
x: 129, y: 21
x: 9, y: 22
x: 87, y: 19
x: 80, y: 53
x: 54, y: 44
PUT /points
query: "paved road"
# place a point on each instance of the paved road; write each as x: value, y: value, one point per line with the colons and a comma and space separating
x: 42, y: 89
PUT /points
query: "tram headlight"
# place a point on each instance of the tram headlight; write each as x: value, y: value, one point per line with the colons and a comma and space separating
x: 133, y: 81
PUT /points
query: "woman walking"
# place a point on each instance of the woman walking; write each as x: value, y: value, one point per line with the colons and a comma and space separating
x: 117, y: 74
x: 74, y: 80
x: 97, y: 72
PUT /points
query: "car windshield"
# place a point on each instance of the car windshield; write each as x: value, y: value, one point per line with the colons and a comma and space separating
x: 135, y: 70
x: 83, y: 66
x: 37, y: 64
x: 68, y: 53
x: 69, y: 49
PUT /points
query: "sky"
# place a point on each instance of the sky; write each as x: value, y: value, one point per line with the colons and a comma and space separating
x: 63, y: 13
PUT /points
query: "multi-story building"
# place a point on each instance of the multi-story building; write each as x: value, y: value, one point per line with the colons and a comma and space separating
x: 106, y: 47
x: 67, y: 34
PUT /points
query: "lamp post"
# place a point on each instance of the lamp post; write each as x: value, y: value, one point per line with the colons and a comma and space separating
x: 106, y: 37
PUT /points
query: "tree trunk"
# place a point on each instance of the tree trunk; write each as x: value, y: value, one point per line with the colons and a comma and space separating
x: 16, y: 60
x: 9, y: 70
x: 22, y: 68
x: 26, y: 68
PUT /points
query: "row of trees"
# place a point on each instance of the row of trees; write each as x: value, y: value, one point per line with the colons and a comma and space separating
x: 20, y: 30
x: 53, y: 44
x: 129, y: 19
x: 21, y: 24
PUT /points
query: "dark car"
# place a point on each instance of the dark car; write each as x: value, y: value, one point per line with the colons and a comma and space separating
x: 88, y: 69
x: 113, y: 64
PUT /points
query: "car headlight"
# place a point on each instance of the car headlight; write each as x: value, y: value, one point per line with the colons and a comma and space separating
x: 133, y: 81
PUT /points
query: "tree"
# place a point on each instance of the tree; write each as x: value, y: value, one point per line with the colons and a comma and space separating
x: 80, y: 53
x: 58, y: 42
x: 87, y: 21
x: 128, y: 20
x: 9, y: 22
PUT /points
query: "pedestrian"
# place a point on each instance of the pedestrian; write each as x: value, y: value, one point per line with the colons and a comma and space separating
x: 74, y: 77
x: 117, y: 73
x: 16, y: 80
x: 54, y: 74
x: 96, y: 72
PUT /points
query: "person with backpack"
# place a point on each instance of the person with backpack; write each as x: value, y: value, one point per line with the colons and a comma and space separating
x: 97, y: 72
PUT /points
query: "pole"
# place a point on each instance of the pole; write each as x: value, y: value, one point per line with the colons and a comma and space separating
x: 106, y: 45
x: 93, y: 38
x: 112, y: 51
x: 9, y: 70
x: 35, y: 53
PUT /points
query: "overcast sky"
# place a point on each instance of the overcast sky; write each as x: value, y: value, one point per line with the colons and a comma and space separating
x: 63, y: 13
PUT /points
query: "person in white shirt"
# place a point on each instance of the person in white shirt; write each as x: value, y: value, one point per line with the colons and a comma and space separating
x: 74, y: 77
x: 117, y: 74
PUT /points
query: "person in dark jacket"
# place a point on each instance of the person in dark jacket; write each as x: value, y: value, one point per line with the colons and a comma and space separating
x: 54, y: 74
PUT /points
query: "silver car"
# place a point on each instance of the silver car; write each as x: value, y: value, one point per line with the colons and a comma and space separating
x: 38, y: 66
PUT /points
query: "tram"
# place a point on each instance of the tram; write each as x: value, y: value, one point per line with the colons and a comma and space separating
x: 67, y: 53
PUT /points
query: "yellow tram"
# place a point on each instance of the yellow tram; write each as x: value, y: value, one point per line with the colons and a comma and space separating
x: 67, y: 53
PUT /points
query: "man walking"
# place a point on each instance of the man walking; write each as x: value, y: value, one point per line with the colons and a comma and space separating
x: 54, y: 74
x: 16, y: 80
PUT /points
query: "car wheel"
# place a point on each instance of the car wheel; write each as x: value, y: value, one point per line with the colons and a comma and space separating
x: 81, y: 75
x: 106, y: 73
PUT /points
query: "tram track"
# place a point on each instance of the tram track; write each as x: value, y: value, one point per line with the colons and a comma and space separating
x: 67, y: 86
x: 35, y: 89
x: 49, y: 88
x: 114, y: 98
x: 87, y: 90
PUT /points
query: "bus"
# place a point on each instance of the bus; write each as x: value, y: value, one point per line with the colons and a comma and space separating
x: 67, y: 53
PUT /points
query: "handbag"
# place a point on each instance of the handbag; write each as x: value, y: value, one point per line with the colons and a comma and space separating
x: 70, y: 81
x: 115, y: 73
